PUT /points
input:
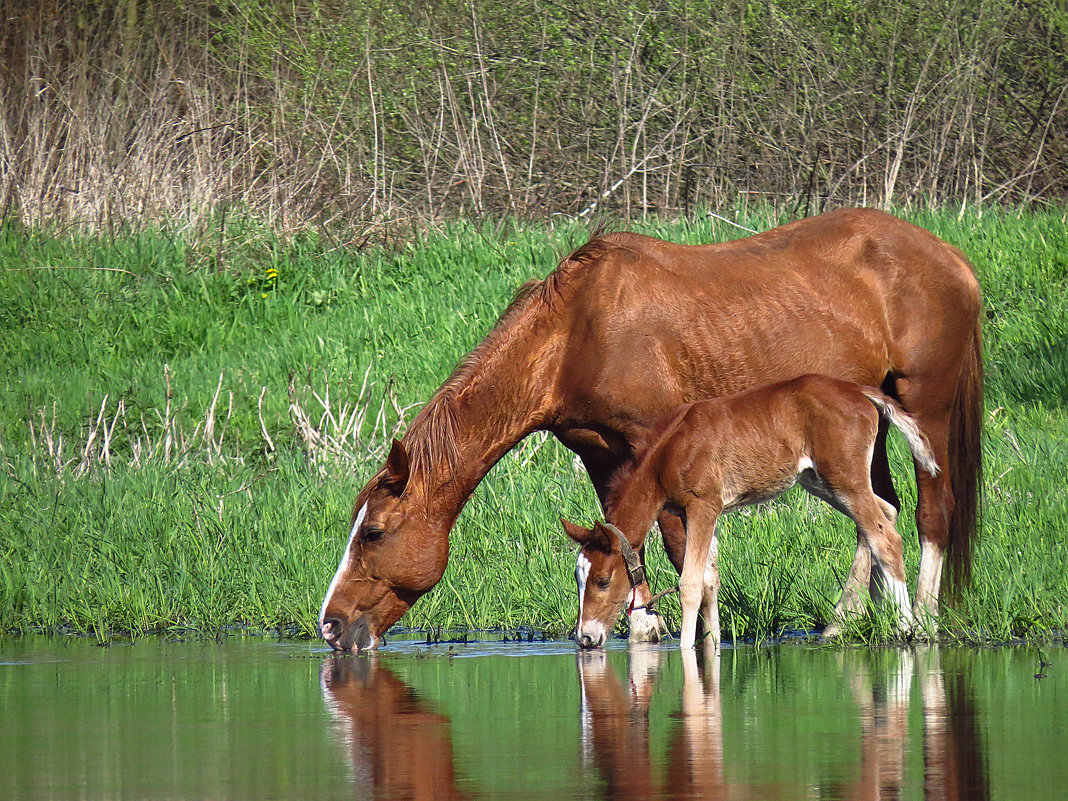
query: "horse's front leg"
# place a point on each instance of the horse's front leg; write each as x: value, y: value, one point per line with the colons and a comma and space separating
x: 700, y: 530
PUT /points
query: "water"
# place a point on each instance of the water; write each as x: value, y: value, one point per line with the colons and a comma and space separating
x: 254, y: 719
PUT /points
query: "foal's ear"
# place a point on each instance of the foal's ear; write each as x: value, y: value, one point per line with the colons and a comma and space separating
x: 398, y: 468
x: 575, y: 531
x: 601, y: 537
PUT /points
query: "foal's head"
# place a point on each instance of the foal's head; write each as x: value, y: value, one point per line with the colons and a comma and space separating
x: 603, y: 582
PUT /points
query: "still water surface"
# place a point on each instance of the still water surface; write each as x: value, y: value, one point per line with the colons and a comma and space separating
x: 249, y: 719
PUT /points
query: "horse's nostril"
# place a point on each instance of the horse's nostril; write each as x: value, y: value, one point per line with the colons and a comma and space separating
x: 585, y: 641
x: 330, y: 629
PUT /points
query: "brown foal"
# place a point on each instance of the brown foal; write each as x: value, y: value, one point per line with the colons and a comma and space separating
x: 722, y: 454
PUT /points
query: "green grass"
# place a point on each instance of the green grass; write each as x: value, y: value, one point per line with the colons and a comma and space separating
x: 239, y: 528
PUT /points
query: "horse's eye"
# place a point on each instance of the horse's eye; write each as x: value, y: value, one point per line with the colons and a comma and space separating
x: 604, y: 582
x: 372, y: 534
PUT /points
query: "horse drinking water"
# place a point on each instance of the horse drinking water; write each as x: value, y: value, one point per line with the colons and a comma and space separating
x: 722, y: 454
x: 628, y: 328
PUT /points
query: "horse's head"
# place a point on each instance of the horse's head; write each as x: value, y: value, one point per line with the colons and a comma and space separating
x: 395, y: 554
x: 603, y: 582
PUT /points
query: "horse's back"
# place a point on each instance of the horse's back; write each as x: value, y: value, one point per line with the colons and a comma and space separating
x: 855, y: 286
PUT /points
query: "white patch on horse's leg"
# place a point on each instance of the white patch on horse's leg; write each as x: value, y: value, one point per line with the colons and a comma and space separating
x: 899, y: 591
x: 346, y: 560
x: 929, y: 581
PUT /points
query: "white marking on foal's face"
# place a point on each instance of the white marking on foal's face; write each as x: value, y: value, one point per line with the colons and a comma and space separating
x: 805, y: 464
x: 346, y: 560
x: 582, y: 574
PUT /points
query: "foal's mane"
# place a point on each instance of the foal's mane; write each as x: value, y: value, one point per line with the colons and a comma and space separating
x: 432, y: 438
x: 643, y: 446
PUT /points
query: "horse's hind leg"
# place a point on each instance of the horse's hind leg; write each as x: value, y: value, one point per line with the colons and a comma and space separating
x: 934, y: 507
x: 934, y: 498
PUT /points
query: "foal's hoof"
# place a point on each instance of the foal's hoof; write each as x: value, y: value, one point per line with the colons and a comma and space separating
x: 832, y: 632
x: 645, y: 627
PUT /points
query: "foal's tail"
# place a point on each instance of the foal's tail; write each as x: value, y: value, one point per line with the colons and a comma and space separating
x: 903, y: 422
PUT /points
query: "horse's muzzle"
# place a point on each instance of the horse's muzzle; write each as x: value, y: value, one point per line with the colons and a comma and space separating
x: 356, y: 636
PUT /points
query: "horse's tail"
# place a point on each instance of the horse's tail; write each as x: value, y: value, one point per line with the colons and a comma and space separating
x: 904, y: 422
x: 966, y: 465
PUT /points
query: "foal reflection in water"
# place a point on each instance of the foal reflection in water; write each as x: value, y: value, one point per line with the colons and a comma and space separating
x: 735, y: 451
x: 615, y: 726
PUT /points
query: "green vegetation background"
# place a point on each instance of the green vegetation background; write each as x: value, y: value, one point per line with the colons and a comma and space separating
x: 261, y: 378
x: 353, y: 114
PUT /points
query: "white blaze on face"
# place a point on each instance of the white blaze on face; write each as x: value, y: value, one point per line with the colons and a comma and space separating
x: 582, y: 574
x: 346, y: 561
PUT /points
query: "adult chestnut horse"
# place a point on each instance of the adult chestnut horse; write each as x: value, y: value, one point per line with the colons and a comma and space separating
x: 628, y: 328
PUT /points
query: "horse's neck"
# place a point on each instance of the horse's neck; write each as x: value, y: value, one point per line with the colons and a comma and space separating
x: 504, y: 398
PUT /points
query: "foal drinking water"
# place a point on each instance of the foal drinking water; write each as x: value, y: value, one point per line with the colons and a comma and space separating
x: 735, y: 451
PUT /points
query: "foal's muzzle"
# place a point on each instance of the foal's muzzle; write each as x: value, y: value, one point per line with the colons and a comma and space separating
x: 588, y: 642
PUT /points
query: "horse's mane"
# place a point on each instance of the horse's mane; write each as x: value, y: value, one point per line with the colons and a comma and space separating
x: 431, y: 439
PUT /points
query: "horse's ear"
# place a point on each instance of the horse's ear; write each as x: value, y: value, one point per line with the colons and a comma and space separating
x: 575, y: 532
x: 398, y: 468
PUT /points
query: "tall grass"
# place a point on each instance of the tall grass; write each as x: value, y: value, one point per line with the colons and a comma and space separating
x: 185, y: 422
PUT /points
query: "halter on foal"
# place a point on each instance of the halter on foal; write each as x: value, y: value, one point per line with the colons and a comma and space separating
x: 719, y: 455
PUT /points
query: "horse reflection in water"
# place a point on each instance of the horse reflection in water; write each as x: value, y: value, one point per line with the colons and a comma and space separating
x: 615, y: 731
x: 399, y: 747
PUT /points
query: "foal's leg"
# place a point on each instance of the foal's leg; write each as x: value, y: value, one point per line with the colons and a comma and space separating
x: 851, y: 601
x: 844, y: 466
x: 710, y: 595
x: 674, y: 534
x: 700, y: 529
x: 886, y: 550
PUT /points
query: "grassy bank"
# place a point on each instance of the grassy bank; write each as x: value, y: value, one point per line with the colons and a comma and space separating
x: 185, y: 422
